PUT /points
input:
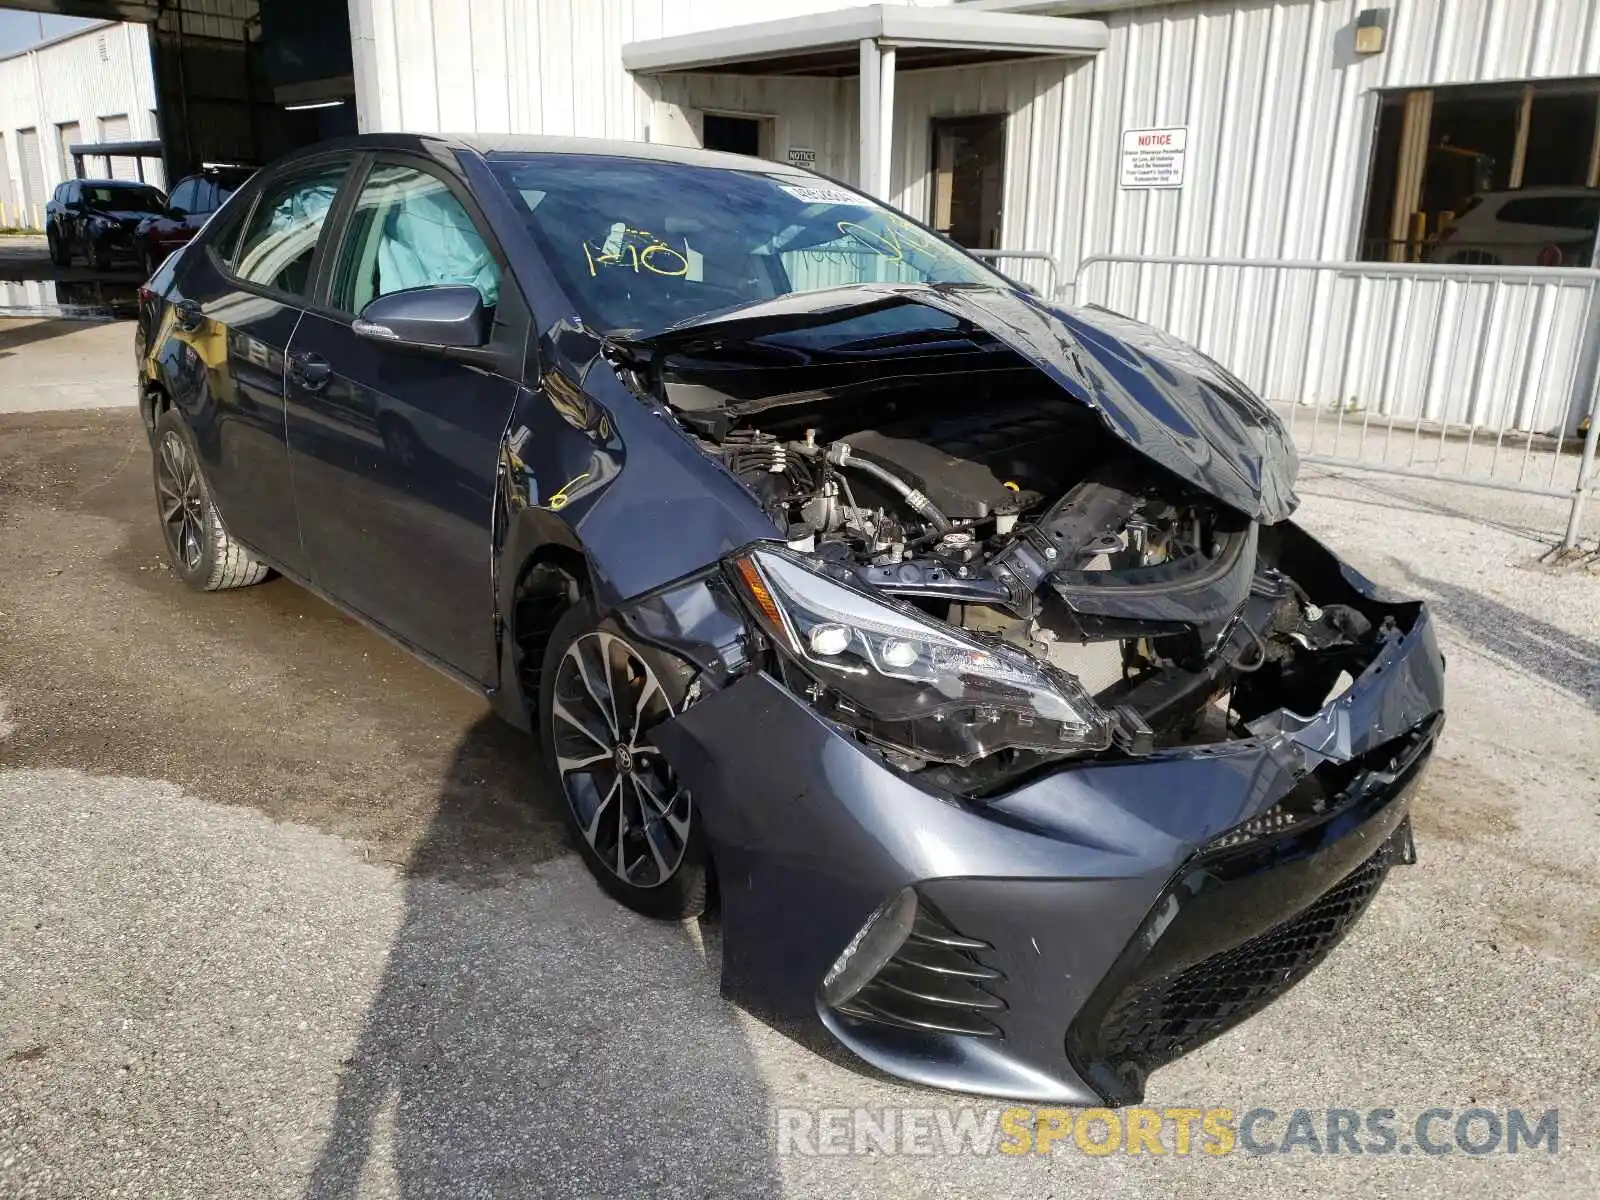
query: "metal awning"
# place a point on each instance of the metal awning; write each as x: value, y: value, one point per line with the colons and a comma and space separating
x: 869, y: 42
x: 826, y: 44
x: 138, y: 151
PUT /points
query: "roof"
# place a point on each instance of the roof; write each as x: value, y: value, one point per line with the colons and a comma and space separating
x: 115, y: 183
x: 510, y: 145
x: 141, y: 149
x: 97, y: 27
x: 828, y: 43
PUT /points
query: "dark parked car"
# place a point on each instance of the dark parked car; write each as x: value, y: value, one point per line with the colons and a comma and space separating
x: 190, y: 206
x: 97, y: 219
x: 961, y: 647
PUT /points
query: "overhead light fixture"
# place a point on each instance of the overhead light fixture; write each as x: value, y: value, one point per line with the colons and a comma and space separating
x: 313, y: 104
x: 1372, y: 28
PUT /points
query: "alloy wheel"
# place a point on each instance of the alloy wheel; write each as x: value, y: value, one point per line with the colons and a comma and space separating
x: 182, y: 501
x: 629, y: 807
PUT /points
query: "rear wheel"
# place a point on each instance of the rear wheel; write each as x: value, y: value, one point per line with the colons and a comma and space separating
x: 202, y: 553
x: 635, y: 824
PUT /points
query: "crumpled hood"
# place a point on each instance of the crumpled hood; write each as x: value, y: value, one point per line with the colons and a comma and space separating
x: 1161, y: 396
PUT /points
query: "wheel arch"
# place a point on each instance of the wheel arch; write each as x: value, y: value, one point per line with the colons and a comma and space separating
x: 543, y: 571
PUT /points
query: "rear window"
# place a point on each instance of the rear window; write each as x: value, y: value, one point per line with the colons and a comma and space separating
x: 1567, y: 212
x: 105, y: 198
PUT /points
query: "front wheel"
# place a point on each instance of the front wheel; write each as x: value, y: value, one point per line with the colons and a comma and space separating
x: 635, y: 824
x: 60, y: 254
x: 202, y: 553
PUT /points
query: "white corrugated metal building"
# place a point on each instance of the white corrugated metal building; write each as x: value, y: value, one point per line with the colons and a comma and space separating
x: 1280, y: 110
x: 1329, y: 130
x: 1299, y: 144
x: 91, y: 86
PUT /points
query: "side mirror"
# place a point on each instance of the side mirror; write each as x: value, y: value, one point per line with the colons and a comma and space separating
x: 447, y: 315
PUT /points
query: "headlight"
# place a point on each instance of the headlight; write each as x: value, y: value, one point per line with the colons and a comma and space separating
x: 906, y: 680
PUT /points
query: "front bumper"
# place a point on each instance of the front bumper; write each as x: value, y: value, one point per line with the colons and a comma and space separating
x: 1110, y: 916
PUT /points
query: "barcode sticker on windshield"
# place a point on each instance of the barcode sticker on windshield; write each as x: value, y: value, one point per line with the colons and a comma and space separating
x: 822, y: 194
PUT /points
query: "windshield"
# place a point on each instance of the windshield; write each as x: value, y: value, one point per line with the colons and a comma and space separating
x: 124, y: 199
x: 640, y: 245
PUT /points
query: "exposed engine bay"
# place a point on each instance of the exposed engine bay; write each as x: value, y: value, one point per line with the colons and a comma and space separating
x: 996, y: 504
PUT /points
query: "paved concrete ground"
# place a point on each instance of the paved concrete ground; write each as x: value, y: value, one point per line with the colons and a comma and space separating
x: 282, y: 913
x: 52, y: 363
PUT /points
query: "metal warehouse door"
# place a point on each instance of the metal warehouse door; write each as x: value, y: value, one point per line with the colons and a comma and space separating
x: 117, y: 129
x: 33, y: 196
x: 69, y: 135
x: 8, y: 201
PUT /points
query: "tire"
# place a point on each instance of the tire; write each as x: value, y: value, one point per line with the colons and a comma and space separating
x: 600, y: 785
x: 198, y: 545
x: 60, y: 254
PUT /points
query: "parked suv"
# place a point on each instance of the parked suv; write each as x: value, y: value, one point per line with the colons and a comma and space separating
x: 193, y: 201
x: 962, y: 646
x: 1529, y: 227
x: 97, y: 218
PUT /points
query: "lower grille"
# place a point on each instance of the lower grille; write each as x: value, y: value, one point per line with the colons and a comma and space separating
x: 1162, y: 1019
x: 935, y: 982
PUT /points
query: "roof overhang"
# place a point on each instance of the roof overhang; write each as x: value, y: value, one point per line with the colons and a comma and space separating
x: 150, y: 149
x: 828, y: 43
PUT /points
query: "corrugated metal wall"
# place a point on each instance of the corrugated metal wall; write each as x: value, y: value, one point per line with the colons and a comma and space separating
x: 1280, y: 111
x: 102, y: 72
x: 524, y: 66
x: 1278, y: 106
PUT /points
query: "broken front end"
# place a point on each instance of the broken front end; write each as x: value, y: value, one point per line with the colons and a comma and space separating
x: 1074, y: 750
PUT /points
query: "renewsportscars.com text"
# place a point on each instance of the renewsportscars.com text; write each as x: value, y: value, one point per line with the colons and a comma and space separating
x: 1213, y: 1132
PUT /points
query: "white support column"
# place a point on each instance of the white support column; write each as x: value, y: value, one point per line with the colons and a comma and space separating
x: 871, y: 126
x: 877, y: 118
x: 884, y: 159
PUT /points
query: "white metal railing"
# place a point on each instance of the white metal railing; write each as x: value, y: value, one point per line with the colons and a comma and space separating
x: 1475, y: 374
x: 1037, y: 269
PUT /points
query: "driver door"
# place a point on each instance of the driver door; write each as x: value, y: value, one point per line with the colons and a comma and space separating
x: 395, y: 450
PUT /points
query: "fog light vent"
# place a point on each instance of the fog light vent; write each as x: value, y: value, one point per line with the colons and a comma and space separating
x: 910, y: 968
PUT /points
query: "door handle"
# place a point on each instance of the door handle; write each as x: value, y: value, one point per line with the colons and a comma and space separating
x: 189, y: 316
x: 309, y: 370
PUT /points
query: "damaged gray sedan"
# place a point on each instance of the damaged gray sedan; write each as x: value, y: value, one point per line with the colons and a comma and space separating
x: 959, y: 647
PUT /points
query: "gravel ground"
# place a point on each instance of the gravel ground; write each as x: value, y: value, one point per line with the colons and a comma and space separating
x: 282, y: 913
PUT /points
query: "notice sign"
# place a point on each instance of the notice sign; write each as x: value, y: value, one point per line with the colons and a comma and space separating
x: 1153, y: 158
x: 803, y: 156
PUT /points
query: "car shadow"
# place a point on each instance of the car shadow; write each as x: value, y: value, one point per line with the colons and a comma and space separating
x: 531, y: 1037
x: 1562, y: 659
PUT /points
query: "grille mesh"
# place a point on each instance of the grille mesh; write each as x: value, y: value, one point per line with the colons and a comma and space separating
x: 1161, y: 1020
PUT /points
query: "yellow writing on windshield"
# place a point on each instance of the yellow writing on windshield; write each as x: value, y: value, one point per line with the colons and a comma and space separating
x: 636, y: 248
x: 891, y: 237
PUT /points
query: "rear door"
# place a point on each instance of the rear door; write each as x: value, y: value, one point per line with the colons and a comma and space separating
x: 396, y: 450
x: 241, y: 297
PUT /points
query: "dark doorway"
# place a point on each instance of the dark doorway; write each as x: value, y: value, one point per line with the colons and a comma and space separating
x: 736, y: 135
x: 969, y: 166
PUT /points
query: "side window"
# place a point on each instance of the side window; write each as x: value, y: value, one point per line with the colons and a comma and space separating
x: 280, y: 242
x: 183, y: 196
x: 407, y: 230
